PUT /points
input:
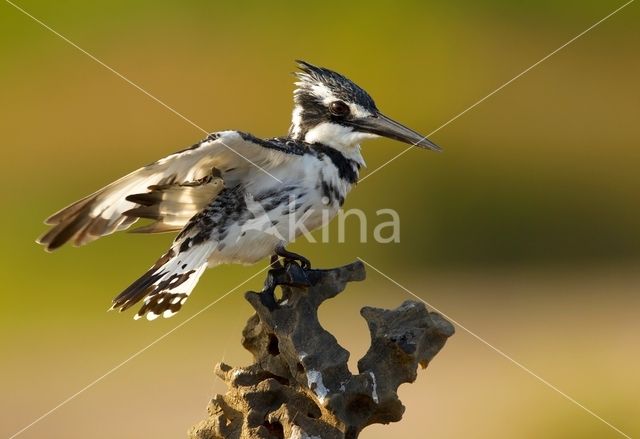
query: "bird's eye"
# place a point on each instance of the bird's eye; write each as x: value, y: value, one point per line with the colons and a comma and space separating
x: 338, y: 108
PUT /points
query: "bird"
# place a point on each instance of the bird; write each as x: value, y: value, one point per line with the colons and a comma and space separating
x: 232, y: 196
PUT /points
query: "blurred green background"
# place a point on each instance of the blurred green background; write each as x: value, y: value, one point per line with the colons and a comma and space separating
x: 525, y: 230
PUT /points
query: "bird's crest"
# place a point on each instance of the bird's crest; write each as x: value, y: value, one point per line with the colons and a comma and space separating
x: 326, y: 85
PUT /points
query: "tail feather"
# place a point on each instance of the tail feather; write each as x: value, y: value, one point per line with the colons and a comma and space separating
x: 165, y: 287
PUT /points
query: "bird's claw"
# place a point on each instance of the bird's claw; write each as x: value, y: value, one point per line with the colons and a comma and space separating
x: 292, y: 274
x: 275, y: 262
x: 303, y: 262
x: 296, y: 274
x: 290, y: 257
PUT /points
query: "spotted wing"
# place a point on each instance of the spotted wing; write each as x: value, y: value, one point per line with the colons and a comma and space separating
x: 118, y: 205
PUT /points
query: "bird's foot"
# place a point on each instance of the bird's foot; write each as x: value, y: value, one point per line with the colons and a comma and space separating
x: 290, y: 257
x: 296, y: 274
x: 292, y: 274
x: 275, y: 262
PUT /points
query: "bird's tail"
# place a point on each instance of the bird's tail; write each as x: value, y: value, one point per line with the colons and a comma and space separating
x: 167, y: 285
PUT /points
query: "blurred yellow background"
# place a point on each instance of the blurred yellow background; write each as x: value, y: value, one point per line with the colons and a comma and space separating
x: 525, y: 230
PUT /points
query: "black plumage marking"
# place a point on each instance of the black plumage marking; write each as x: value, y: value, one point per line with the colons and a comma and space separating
x: 145, y: 199
x: 327, y: 191
x: 156, y: 287
x: 211, y: 137
x: 313, y: 114
x: 212, y: 222
x: 186, y: 244
x: 149, y: 212
x: 141, y: 287
x: 162, y: 302
x: 332, y: 193
x: 271, y: 203
x: 64, y: 231
x: 269, y: 194
x: 174, y: 280
x: 271, y: 199
x: 289, y: 146
x: 347, y: 168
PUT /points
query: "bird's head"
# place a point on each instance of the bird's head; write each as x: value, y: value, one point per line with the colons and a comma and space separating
x: 332, y: 110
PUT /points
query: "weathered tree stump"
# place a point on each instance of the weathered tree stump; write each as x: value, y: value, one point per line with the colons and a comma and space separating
x: 300, y: 385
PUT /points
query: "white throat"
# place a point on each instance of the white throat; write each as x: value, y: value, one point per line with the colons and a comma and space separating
x: 340, y: 137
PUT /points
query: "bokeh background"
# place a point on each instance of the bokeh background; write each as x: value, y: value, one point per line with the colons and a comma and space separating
x: 525, y: 230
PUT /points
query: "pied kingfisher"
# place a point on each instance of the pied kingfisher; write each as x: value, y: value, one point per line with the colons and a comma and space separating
x: 232, y: 196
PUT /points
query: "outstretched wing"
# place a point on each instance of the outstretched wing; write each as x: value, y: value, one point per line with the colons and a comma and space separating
x: 118, y: 205
x: 172, y: 205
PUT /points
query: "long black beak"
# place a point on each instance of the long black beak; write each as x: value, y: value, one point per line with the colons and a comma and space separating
x: 383, y: 126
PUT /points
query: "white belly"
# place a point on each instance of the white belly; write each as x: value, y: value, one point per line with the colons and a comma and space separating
x: 258, y: 238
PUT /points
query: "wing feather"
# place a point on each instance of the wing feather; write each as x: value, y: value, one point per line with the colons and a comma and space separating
x: 172, y: 205
x: 105, y: 211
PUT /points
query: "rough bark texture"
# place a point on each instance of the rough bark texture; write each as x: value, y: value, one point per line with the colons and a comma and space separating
x: 300, y: 385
